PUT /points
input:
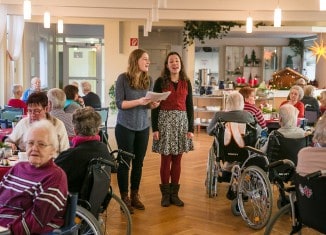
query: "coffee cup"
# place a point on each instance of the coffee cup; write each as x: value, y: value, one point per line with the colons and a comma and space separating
x: 22, y: 156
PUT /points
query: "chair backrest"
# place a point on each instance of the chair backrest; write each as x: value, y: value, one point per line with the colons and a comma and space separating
x: 96, y: 185
x: 280, y: 147
x: 311, y: 194
x: 311, y: 116
x: 104, y: 113
x: 231, y: 151
x: 11, y: 114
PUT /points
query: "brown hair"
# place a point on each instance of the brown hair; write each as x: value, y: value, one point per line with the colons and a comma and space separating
x: 70, y: 91
x: 246, y: 91
x: 166, y: 72
x: 141, y: 81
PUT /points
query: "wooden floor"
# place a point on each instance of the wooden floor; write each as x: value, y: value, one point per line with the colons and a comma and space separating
x: 200, y: 215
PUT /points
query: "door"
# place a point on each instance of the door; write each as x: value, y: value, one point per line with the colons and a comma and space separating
x: 82, y: 62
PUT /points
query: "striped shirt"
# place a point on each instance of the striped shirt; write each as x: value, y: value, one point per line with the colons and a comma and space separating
x: 33, y: 200
x: 256, y: 113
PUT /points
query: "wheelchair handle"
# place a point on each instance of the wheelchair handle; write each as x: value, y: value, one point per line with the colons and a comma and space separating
x: 131, y: 155
x: 103, y: 161
x: 252, y: 149
x: 282, y: 162
x: 316, y: 174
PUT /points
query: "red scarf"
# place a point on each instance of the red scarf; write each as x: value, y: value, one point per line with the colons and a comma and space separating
x: 78, y: 139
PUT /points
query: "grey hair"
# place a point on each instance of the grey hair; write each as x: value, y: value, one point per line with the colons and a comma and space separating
x: 234, y: 101
x: 57, y: 97
x: 86, y: 86
x: 299, y: 89
x: 288, y: 115
x: 86, y: 121
x: 301, y: 81
x: 16, y: 88
x: 320, y: 131
x: 47, y: 126
x: 309, y: 90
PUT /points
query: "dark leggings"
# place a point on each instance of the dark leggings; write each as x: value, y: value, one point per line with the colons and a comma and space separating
x: 134, y: 142
x: 170, y: 166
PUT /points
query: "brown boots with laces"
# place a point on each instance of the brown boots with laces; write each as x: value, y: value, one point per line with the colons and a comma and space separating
x: 133, y: 201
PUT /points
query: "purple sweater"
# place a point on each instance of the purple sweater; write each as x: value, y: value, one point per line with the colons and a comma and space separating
x: 33, y: 200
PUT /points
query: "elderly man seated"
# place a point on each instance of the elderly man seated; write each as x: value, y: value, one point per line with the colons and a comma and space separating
x: 33, y: 194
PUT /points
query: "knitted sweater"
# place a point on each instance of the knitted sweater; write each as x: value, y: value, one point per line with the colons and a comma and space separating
x: 33, y: 200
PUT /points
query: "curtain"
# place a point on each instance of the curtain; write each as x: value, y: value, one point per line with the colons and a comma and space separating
x: 3, y: 21
x: 15, y: 36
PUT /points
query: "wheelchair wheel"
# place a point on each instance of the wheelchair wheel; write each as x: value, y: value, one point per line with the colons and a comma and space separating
x: 255, y: 197
x: 211, y: 177
x: 281, y: 222
x: 116, y: 218
x: 235, y: 207
x: 87, y: 223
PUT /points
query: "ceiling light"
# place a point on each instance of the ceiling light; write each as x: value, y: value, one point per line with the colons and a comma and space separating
x: 27, y: 10
x: 277, y: 17
x: 47, y: 20
x: 322, y: 5
x: 60, y: 26
x: 249, y: 25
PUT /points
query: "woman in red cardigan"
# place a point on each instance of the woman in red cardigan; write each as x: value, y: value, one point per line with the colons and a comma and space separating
x: 295, y: 95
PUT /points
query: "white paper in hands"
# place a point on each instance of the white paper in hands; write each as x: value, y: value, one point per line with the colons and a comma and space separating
x: 154, y: 96
x: 3, y: 229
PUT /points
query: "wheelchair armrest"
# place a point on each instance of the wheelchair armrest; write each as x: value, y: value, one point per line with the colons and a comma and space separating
x: 252, y: 149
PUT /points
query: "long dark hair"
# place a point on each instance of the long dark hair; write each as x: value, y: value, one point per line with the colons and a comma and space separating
x: 166, y: 72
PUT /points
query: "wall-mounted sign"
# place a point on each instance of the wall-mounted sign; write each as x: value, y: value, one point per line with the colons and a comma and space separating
x: 134, y: 42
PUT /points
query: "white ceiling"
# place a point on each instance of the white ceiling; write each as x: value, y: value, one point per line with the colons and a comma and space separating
x: 299, y: 16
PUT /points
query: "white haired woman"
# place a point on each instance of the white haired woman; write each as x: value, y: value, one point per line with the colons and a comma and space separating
x: 33, y: 194
x: 233, y: 111
x: 296, y: 94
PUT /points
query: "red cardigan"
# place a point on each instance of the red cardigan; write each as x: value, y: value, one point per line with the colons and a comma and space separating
x: 299, y: 105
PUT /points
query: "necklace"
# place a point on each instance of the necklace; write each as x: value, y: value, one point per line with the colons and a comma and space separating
x: 176, y: 81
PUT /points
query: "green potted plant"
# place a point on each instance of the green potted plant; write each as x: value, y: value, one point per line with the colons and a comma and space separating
x: 112, y: 104
x: 203, y: 30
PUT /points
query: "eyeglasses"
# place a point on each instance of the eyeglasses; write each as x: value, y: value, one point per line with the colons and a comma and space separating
x: 40, y: 145
x: 35, y: 111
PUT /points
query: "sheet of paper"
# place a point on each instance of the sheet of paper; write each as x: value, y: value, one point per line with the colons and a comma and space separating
x: 3, y: 229
x: 154, y: 96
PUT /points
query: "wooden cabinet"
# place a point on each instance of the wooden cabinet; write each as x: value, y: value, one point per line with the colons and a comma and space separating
x: 205, y: 106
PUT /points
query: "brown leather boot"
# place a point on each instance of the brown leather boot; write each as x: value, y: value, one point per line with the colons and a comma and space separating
x: 135, y: 202
x: 125, y: 198
x: 174, y: 195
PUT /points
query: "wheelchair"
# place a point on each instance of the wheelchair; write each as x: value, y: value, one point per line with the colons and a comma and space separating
x: 306, y: 210
x: 281, y: 172
x: 98, y: 198
x: 243, y: 168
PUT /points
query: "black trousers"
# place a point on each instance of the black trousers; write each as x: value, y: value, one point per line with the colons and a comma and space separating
x: 134, y: 142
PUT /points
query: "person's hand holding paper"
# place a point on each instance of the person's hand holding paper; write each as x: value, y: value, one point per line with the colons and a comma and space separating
x: 155, y: 97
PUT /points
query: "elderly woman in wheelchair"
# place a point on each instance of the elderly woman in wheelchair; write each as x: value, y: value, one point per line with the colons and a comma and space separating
x: 231, y: 160
x: 33, y: 194
x: 306, y: 210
